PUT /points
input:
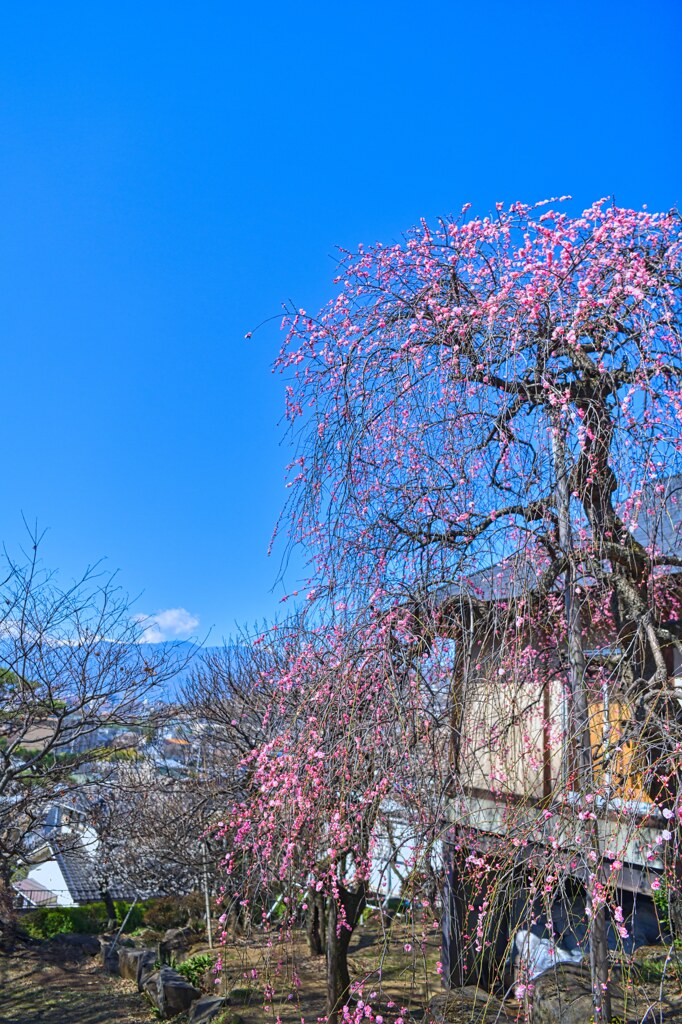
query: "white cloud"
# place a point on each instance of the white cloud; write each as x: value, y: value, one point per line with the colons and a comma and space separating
x: 167, y: 624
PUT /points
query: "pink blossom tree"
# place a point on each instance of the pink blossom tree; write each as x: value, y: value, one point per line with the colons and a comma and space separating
x: 487, y: 419
x: 344, y: 702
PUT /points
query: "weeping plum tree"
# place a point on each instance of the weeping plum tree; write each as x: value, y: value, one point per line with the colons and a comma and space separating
x: 487, y: 420
x: 343, y: 699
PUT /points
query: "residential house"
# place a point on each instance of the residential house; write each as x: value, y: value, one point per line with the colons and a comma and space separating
x: 514, y: 793
x: 62, y: 863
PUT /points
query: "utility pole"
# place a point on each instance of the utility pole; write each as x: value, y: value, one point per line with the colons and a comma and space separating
x: 207, y: 898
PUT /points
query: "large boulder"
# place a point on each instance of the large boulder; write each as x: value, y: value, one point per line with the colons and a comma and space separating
x: 206, y: 1009
x: 169, y: 992
x: 467, y: 1004
x: 146, y: 965
x: 564, y: 993
x: 76, y: 944
x: 132, y: 961
x: 175, y: 942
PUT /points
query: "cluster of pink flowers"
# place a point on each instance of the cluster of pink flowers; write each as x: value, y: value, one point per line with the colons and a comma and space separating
x: 428, y: 397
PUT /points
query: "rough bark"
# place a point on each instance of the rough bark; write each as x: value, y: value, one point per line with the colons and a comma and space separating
x: 8, y: 916
x: 315, y: 924
x: 581, y: 740
x: 109, y: 905
x: 339, y: 931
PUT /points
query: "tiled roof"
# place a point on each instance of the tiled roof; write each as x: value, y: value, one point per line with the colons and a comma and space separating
x: 35, y: 893
x: 78, y: 868
x: 76, y: 865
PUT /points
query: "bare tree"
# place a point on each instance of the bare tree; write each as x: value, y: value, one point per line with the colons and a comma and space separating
x: 228, y: 693
x: 72, y: 668
x: 151, y: 831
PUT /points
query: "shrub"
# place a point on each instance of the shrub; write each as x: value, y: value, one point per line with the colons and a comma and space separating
x: 173, y: 911
x: 136, y: 915
x: 195, y: 968
x: 90, y: 919
x: 47, y: 922
x: 165, y: 913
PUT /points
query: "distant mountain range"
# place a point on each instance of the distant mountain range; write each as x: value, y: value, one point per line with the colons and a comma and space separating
x: 183, y: 657
x: 180, y: 656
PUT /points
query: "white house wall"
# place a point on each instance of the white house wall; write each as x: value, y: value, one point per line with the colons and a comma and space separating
x: 49, y: 875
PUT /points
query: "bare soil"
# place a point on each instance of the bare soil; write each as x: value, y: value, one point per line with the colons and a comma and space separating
x: 51, y: 984
x: 397, y: 974
x: 39, y: 985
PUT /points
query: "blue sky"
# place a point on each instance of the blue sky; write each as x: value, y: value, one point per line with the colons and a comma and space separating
x: 171, y: 173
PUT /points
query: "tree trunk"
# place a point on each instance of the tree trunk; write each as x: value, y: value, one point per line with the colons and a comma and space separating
x: 109, y: 906
x: 339, y: 932
x: 454, y: 918
x: 8, y: 915
x: 315, y: 924
x: 338, y: 978
x: 579, y: 737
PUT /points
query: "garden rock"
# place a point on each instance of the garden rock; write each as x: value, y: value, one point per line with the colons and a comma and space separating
x: 646, y: 956
x: 206, y: 1009
x: 176, y: 940
x: 169, y: 992
x: 146, y: 965
x: 458, y: 1004
x: 564, y: 993
x: 75, y: 942
x: 129, y: 962
x: 109, y: 956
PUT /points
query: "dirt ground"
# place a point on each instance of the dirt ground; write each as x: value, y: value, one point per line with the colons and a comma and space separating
x: 396, y: 974
x: 54, y: 984
x: 47, y: 984
x: 39, y: 985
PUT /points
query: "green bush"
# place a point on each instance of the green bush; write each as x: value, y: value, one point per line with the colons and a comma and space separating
x: 50, y: 921
x: 165, y: 913
x: 195, y: 968
x: 173, y: 911
x: 136, y: 915
x: 90, y: 919
x: 161, y: 914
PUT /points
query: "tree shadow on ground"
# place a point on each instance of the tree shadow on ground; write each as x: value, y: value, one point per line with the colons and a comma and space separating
x: 42, y: 986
